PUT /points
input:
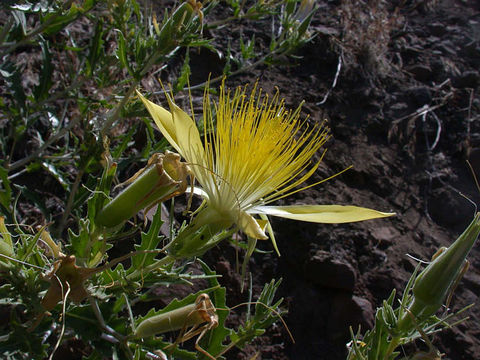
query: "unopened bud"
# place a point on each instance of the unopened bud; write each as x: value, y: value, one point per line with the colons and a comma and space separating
x: 440, y: 277
x: 163, y: 178
x: 202, y: 311
x: 182, y: 21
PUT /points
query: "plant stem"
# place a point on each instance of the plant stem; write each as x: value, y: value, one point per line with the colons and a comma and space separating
x: 71, y: 197
x: 113, y: 115
x: 165, y: 261
x: 392, y: 346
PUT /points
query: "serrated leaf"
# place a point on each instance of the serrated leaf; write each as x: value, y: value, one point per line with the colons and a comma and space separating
x: 79, y: 242
x: 150, y: 241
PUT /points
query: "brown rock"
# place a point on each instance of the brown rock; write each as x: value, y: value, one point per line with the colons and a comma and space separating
x: 322, y: 269
x: 349, y: 311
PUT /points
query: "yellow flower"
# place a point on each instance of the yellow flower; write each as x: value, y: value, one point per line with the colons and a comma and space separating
x: 254, y: 151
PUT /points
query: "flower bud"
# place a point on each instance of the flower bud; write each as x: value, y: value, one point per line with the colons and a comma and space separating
x: 163, y: 178
x: 202, y: 311
x: 440, y: 277
x: 180, y: 22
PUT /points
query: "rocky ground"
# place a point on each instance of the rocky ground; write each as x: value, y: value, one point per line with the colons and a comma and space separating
x: 404, y: 112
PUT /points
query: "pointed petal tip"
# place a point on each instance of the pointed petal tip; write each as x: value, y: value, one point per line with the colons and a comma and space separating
x: 328, y: 214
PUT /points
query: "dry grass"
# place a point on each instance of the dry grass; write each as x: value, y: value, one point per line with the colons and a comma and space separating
x: 367, y: 28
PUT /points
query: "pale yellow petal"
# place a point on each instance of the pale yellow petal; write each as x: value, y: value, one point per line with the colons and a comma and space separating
x: 329, y: 214
x: 188, y: 137
x: 181, y: 132
x: 164, y: 120
x: 251, y: 227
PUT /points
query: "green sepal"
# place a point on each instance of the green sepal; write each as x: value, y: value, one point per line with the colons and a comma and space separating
x: 434, y: 283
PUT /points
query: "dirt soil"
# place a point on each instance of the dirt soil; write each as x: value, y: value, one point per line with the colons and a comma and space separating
x: 404, y: 112
x: 396, y: 63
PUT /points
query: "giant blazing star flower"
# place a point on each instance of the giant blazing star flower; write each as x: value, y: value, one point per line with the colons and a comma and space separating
x: 252, y: 152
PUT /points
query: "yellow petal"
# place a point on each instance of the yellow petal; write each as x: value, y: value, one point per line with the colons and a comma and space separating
x: 252, y: 227
x: 164, y: 120
x: 330, y: 214
x: 181, y: 132
x: 188, y: 138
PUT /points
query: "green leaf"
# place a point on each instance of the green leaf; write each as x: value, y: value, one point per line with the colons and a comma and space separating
x: 5, y: 189
x: 79, y: 242
x: 304, y: 25
x: 28, y: 248
x: 100, y: 197
x: 45, y: 82
x: 122, y: 53
x: 57, y: 21
x: 96, y: 48
x: 266, y: 313
x: 13, y: 79
x: 185, y: 73
x: 290, y: 6
x: 56, y: 173
x: 20, y: 340
x: 82, y: 320
x: 20, y: 29
x: 125, y: 142
x: 150, y: 241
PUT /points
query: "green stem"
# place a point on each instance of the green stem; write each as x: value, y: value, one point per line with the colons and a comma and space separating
x: 69, y: 205
x: 163, y: 262
x: 391, y: 347
x: 114, y: 114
